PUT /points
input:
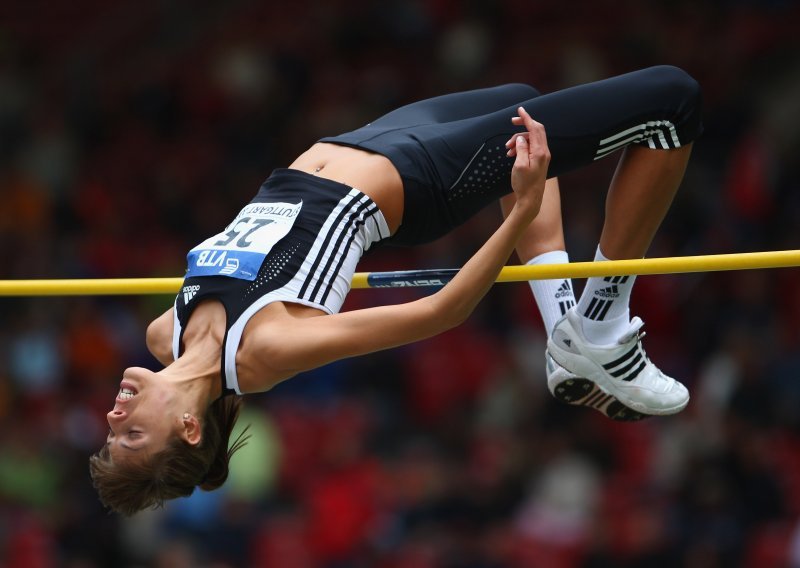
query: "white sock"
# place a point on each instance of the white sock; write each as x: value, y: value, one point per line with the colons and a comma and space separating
x: 604, y: 306
x: 553, y: 297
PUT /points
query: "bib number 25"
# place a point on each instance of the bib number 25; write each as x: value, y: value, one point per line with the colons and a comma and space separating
x: 241, y: 248
x: 242, y: 228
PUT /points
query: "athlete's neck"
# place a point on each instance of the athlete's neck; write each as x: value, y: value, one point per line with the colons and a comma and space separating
x: 197, y: 372
x: 198, y: 369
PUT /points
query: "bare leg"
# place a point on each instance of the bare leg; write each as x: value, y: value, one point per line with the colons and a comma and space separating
x: 639, y: 197
x: 546, y: 233
x: 543, y: 243
x: 640, y: 194
x: 611, y: 358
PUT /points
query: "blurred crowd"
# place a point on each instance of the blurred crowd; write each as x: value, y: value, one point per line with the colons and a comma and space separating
x: 130, y: 131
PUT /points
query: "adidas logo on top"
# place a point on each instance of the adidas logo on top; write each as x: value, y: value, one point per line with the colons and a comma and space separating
x: 189, y: 292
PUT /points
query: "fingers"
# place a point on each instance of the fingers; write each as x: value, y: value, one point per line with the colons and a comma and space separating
x: 523, y: 114
x: 512, y: 143
x: 521, y: 147
x: 537, y: 138
x: 516, y: 121
x: 529, y: 172
x: 531, y: 127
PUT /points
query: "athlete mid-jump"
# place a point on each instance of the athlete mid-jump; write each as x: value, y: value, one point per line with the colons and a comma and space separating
x: 261, y: 299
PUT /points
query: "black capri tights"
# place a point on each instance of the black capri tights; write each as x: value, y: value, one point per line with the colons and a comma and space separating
x: 450, y: 150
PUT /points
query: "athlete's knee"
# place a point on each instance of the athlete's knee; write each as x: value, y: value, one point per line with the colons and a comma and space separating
x: 679, y: 91
x: 521, y: 91
x: 678, y: 83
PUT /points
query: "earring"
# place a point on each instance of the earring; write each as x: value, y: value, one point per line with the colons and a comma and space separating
x: 186, y: 416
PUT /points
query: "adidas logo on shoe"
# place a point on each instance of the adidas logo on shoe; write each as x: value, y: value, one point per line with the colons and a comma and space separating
x: 563, y: 339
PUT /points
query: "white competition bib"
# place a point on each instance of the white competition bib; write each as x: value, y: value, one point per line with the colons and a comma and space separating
x: 240, y: 249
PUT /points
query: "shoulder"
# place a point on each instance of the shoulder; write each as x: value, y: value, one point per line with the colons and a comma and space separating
x: 270, y: 344
x: 159, y: 336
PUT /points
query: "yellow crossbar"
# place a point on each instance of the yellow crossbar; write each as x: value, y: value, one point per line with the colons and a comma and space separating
x: 669, y: 265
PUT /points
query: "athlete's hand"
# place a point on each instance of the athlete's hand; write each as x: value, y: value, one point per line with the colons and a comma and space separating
x: 532, y: 159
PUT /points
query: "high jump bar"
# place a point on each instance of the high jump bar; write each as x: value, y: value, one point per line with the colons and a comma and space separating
x: 421, y: 278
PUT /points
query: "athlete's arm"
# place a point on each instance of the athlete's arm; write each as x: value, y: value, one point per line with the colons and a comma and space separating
x: 312, y: 342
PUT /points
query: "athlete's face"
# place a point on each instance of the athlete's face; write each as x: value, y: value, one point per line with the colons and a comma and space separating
x: 145, y: 415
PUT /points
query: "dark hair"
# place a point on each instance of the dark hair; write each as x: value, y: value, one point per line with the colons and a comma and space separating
x: 133, y: 485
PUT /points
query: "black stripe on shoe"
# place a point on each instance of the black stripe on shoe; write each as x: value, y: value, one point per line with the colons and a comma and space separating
x: 579, y: 391
x: 635, y: 373
x: 600, y: 401
x: 593, y: 398
x: 617, y: 362
x: 623, y: 370
x: 630, y: 360
x: 583, y: 392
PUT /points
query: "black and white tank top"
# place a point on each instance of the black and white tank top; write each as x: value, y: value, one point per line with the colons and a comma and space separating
x: 299, y: 240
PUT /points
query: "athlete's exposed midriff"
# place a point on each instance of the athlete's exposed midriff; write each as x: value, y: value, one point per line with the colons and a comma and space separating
x: 368, y: 172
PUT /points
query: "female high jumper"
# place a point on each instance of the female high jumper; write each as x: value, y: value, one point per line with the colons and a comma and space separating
x: 261, y: 299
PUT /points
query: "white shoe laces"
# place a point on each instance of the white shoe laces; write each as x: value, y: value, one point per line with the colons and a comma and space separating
x: 633, y: 331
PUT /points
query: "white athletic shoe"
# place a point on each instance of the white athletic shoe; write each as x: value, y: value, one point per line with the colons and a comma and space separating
x: 621, y: 371
x: 569, y: 388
